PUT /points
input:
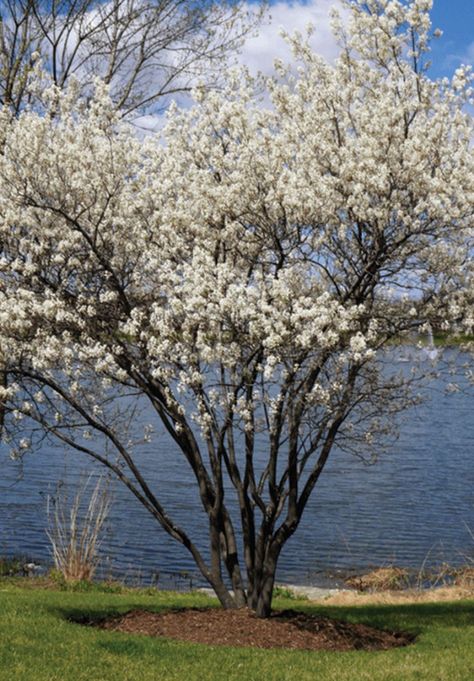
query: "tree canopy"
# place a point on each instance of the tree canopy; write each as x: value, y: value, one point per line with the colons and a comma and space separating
x: 243, y: 276
x: 145, y: 50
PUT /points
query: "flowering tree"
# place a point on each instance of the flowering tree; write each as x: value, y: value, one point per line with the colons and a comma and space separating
x: 146, y: 50
x: 242, y: 279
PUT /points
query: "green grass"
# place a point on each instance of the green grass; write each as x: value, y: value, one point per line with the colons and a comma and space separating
x: 440, y: 340
x: 451, y: 340
x: 39, y: 643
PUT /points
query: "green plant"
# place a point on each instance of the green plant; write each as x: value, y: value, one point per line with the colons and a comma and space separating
x: 289, y: 594
x: 10, y: 566
x: 87, y: 586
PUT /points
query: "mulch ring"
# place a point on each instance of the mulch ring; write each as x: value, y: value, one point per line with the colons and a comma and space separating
x: 284, y: 629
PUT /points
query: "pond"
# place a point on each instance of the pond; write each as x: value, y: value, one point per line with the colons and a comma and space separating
x: 414, y: 506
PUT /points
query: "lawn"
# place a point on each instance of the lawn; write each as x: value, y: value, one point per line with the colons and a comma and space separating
x: 39, y: 643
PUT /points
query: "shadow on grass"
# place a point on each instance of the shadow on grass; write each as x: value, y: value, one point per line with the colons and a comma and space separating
x: 91, y: 616
x: 413, y: 617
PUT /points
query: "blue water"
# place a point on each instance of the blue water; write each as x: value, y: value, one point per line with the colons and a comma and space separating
x: 414, y: 506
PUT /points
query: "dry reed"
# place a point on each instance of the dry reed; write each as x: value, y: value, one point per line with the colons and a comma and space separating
x: 76, y: 537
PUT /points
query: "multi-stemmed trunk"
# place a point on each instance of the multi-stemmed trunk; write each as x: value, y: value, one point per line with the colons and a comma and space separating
x: 261, y: 557
x: 257, y: 596
x: 262, y: 592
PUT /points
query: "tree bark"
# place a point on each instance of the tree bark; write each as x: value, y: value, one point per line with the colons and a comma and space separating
x: 261, y: 588
x: 264, y: 603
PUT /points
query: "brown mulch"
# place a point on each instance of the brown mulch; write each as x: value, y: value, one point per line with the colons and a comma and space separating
x: 286, y: 629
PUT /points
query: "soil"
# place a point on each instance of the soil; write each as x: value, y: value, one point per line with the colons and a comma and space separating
x: 284, y: 629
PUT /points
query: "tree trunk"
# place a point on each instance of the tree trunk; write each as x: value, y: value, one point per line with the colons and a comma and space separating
x: 263, y: 607
x: 224, y: 596
x: 262, y: 590
x: 231, y: 561
x: 3, y: 384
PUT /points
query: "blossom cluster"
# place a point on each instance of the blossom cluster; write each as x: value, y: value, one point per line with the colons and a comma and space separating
x: 249, y: 248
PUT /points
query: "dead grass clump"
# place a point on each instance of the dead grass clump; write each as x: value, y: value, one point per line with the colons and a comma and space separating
x: 434, y: 595
x: 464, y: 577
x: 382, y: 579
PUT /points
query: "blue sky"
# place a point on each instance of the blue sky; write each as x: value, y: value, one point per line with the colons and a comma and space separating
x: 454, y: 17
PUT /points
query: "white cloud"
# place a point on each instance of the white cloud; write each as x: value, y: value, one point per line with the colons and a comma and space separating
x: 148, y: 124
x: 470, y: 54
x: 259, y: 52
x: 452, y: 59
